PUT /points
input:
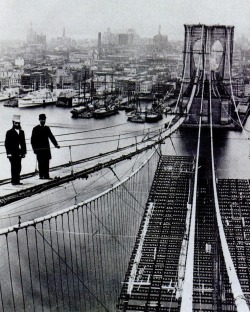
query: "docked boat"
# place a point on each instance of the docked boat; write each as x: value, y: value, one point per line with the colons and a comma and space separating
x: 41, y: 97
x: 86, y: 111
x: 65, y: 98
x: 136, y: 117
x: 153, y: 116
x: 11, y: 102
x: 106, y: 111
x: 81, y: 112
x: 8, y: 94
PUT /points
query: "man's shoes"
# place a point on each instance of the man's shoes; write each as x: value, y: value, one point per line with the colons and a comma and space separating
x: 18, y: 183
x: 46, y: 178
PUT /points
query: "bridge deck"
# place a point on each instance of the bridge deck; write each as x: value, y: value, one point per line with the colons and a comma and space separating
x: 158, y: 265
x: 154, y: 285
x: 234, y: 197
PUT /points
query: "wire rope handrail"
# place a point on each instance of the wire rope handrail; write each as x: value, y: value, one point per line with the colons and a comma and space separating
x: 58, y: 213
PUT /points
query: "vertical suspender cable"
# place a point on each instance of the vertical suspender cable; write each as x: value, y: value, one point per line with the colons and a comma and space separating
x: 29, y: 263
x: 59, y: 262
x: 76, y: 257
x: 101, y: 266
x: 38, y: 267
x: 20, y: 268
x: 93, y: 246
x: 88, y: 246
x: 46, y: 267
x: 1, y: 295
x: 96, y: 250
x: 79, y: 214
x: 65, y: 255
x: 10, y: 272
x: 53, y: 264
x: 71, y: 260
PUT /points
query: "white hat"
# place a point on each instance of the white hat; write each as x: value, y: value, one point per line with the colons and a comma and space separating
x: 16, y: 118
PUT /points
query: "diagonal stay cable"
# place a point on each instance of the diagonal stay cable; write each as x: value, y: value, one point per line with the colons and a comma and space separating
x: 122, y: 198
x: 106, y: 228
x: 126, y: 188
x: 106, y: 309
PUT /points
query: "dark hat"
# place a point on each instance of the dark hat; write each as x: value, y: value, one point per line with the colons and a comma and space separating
x: 42, y: 116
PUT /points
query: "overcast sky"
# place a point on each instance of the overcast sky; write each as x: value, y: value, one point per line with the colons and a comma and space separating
x: 85, y: 18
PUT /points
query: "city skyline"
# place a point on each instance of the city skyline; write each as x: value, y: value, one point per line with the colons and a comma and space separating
x: 84, y: 18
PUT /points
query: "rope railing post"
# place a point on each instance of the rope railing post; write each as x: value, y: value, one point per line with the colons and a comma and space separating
x: 71, y: 163
x: 118, y: 142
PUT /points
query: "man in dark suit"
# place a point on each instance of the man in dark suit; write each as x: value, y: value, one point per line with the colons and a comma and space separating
x: 40, y: 137
x: 16, y: 149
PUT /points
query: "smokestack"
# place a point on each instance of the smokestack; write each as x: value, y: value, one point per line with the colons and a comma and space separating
x: 99, y: 45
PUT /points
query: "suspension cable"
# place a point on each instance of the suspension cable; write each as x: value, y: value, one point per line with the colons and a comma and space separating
x: 240, y: 300
x: 187, y: 295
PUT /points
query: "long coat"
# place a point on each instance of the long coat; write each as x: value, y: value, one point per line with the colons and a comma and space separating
x: 15, y: 143
x: 40, y: 141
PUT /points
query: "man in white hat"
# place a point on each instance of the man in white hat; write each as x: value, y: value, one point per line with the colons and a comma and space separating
x: 15, y: 148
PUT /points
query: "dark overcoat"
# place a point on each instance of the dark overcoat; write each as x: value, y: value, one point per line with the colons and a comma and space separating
x: 15, y: 144
x: 40, y: 141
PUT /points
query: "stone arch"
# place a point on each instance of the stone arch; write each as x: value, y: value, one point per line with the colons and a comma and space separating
x: 217, y: 52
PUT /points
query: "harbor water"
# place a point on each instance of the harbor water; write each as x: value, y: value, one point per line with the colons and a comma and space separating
x: 81, y: 138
